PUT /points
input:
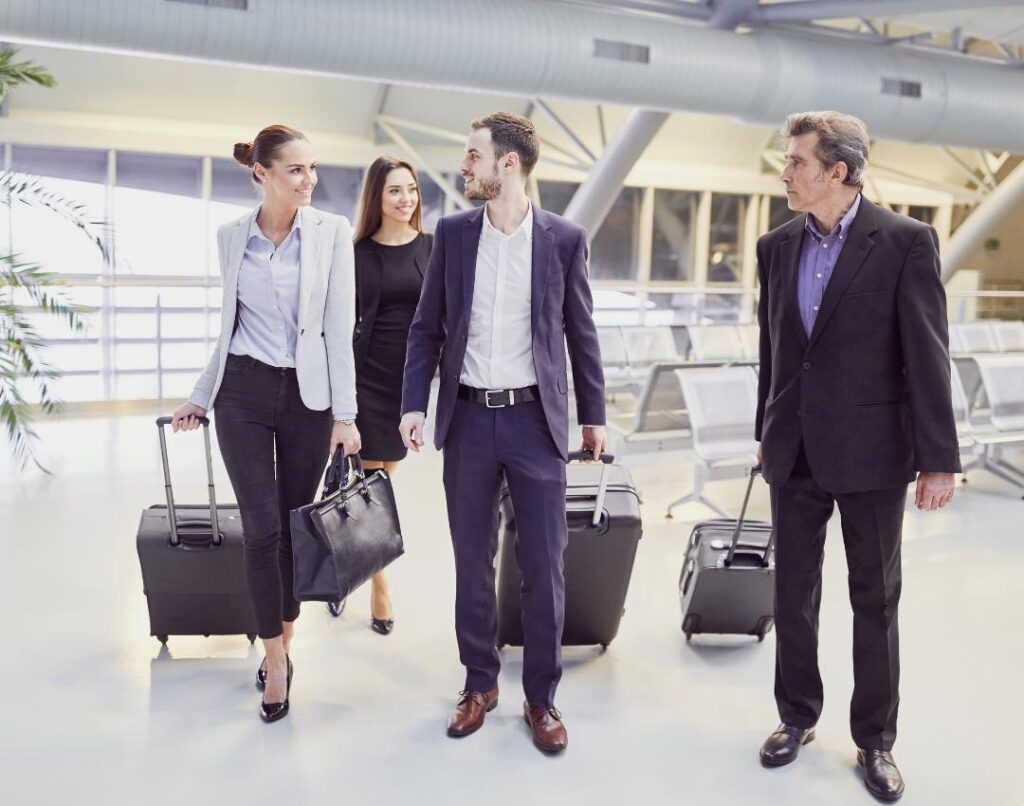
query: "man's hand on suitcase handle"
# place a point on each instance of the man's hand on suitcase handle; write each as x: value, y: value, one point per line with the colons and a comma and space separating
x: 186, y: 418
x: 594, y: 440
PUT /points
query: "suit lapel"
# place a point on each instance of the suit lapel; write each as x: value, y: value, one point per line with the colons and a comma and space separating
x: 858, y: 245
x: 470, y: 244
x: 789, y: 261
x: 309, y: 251
x: 235, y: 254
x: 540, y: 270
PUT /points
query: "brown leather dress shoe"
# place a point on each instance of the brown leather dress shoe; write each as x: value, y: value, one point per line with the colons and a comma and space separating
x: 470, y: 711
x: 548, y: 731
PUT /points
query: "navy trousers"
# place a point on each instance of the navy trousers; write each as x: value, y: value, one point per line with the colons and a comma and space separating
x: 484, y: 446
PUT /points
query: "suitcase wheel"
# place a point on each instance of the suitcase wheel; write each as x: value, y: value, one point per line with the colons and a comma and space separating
x: 336, y: 608
x: 760, y: 637
x: 206, y: 635
x: 689, y: 635
x: 162, y: 639
x: 252, y: 637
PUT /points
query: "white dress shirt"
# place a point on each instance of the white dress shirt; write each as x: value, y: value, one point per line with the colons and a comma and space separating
x: 268, y: 298
x: 499, y: 351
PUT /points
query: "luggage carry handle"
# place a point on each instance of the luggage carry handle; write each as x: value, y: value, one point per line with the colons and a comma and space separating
x: 172, y: 516
x: 602, y: 485
x: 754, y: 471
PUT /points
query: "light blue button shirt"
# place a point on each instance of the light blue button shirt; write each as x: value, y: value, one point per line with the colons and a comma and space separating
x: 818, y: 259
x: 268, y: 298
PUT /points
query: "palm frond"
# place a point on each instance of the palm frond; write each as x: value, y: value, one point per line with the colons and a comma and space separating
x: 21, y: 351
x: 30, y: 191
x: 14, y: 74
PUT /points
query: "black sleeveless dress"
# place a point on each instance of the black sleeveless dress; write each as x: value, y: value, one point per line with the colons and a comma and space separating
x: 392, y: 277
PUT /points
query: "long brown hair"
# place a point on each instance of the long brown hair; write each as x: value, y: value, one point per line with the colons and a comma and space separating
x: 265, y: 147
x: 370, y: 217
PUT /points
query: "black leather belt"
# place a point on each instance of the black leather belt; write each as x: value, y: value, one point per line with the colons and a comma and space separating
x: 499, y: 398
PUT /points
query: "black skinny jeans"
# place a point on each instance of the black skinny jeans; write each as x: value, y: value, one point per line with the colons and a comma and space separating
x: 275, y: 450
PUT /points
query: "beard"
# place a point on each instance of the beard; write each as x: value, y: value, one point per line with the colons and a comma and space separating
x: 486, y: 189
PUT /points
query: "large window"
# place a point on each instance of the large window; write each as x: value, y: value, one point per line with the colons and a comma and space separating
x: 725, y: 257
x: 614, y: 249
x: 675, y: 222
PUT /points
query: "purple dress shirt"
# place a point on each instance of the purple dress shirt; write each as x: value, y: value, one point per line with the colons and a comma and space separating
x: 818, y: 257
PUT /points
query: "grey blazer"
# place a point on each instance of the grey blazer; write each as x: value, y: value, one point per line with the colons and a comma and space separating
x: 323, y: 357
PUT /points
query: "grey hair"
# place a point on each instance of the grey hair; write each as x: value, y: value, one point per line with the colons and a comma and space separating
x: 841, y: 138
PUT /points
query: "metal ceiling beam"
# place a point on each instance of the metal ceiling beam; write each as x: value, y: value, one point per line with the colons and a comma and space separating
x: 564, y: 128
x: 966, y: 169
x: 440, y: 180
x: 808, y: 10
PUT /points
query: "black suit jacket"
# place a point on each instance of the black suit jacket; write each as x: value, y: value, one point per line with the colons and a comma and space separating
x: 369, y: 271
x: 561, y: 314
x: 869, y: 392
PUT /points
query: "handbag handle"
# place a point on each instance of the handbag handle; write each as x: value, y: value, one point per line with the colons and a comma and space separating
x: 340, y: 470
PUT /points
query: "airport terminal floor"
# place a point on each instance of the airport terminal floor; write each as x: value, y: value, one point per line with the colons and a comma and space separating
x: 95, y: 711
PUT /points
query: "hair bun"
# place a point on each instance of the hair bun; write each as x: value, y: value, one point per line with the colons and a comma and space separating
x: 243, y: 153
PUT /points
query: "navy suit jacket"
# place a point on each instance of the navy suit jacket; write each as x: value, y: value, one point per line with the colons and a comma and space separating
x: 561, y: 314
x: 868, y: 393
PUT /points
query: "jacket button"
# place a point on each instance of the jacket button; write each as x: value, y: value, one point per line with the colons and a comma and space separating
x: 807, y: 364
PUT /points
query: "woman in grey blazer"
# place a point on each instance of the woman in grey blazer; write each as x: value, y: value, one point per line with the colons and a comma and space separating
x: 281, y: 379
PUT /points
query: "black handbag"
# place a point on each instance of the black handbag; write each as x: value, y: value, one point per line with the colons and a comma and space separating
x: 341, y: 541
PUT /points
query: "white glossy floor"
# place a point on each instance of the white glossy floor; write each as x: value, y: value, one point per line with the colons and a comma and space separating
x: 94, y: 712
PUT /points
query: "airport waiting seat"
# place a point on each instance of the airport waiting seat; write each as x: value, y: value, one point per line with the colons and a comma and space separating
x: 750, y: 338
x: 716, y: 343
x: 1002, y: 377
x: 618, y: 376
x: 660, y: 421
x: 1009, y: 336
x: 976, y: 337
x: 722, y: 404
x: 649, y: 345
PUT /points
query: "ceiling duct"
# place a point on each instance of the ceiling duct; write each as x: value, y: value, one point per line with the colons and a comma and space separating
x: 530, y: 48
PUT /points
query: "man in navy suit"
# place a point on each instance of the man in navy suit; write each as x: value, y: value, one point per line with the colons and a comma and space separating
x: 505, y: 292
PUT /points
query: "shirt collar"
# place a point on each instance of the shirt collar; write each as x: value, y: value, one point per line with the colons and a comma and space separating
x: 844, y: 222
x: 256, y: 232
x: 526, y: 227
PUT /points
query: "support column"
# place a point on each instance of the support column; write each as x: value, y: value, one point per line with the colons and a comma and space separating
x: 971, y: 234
x: 595, y: 197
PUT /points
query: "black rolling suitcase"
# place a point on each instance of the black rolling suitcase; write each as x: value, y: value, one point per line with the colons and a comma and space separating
x: 727, y: 584
x: 603, y: 511
x: 191, y: 558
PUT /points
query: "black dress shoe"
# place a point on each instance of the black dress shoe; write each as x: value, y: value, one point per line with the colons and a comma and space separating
x: 382, y: 625
x: 881, y: 776
x: 261, y: 674
x: 783, y: 746
x: 273, y: 711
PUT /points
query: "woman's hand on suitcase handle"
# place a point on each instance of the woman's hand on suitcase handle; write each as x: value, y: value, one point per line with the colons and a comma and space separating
x: 594, y: 440
x: 347, y: 436
x: 186, y: 418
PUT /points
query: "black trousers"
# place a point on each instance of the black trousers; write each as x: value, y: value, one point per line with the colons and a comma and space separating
x: 275, y: 450
x: 872, y: 524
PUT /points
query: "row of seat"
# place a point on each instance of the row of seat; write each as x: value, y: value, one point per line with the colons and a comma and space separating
x: 986, y: 336
x: 712, y: 410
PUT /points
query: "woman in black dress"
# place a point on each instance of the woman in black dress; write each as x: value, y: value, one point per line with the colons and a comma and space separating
x: 391, y: 254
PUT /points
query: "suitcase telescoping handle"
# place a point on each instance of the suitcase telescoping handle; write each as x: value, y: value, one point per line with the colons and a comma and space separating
x: 602, y: 485
x: 172, y: 516
x: 754, y: 471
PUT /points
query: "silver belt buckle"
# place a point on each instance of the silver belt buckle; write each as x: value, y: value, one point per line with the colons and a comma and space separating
x: 487, y: 398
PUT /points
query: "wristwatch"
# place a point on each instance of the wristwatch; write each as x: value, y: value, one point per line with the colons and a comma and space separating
x: 346, y: 422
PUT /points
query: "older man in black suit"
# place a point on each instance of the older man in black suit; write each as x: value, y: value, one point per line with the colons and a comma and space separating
x: 854, y: 403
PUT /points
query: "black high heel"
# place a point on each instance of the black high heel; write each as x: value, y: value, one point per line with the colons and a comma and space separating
x: 261, y: 675
x: 382, y: 625
x: 273, y: 711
